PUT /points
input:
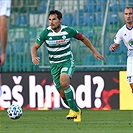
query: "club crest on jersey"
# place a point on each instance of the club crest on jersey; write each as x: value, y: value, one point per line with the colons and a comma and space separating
x: 64, y: 37
x: 50, y: 38
x: 131, y: 42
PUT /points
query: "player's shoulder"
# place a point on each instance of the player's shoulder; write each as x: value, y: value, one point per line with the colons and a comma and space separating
x: 123, y: 27
x: 47, y: 30
x: 68, y: 28
x: 64, y: 26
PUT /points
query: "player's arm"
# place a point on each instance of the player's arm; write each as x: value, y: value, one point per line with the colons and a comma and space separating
x: 117, y: 40
x: 87, y: 42
x: 113, y: 47
x: 39, y: 41
x: 34, y: 49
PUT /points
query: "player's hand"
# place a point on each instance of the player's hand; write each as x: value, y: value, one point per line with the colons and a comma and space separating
x: 112, y: 48
x: 98, y: 56
x: 36, y: 60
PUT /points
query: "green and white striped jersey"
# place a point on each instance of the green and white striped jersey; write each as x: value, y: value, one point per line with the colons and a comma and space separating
x: 58, y: 44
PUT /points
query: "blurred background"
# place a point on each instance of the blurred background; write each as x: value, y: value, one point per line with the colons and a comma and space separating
x: 99, y: 20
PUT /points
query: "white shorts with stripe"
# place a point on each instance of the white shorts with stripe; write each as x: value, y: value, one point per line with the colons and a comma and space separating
x: 5, y: 7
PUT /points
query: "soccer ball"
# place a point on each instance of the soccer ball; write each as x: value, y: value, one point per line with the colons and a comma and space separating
x: 14, y: 111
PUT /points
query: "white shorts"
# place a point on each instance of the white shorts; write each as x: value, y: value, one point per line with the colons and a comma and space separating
x: 130, y: 69
x: 5, y: 7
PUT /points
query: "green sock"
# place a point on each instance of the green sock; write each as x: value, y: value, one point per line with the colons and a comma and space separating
x: 65, y: 101
x: 70, y: 99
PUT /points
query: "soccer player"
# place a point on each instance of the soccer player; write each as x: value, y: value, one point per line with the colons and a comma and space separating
x: 57, y: 39
x: 125, y: 34
x: 5, y: 6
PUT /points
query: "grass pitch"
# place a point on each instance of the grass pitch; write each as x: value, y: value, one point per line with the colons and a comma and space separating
x: 53, y: 121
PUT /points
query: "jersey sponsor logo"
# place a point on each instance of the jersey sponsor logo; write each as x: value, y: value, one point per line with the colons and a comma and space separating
x: 51, y: 42
x: 60, y: 41
x: 56, y: 42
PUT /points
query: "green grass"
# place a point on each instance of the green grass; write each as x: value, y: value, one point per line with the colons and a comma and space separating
x: 54, y: 121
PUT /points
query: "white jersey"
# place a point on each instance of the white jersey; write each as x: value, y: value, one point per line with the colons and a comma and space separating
x: 5, y: 7
x: 126, y: 35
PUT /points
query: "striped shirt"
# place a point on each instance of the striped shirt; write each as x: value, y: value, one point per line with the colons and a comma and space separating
x: 58, y: 44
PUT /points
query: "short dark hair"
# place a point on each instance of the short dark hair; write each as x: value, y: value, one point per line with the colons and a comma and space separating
x: 58, y: 13
x: 128, y: 7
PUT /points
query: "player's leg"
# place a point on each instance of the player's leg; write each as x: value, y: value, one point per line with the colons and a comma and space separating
x: 3, y: 36
x: 4, y: 14
x: 55, y: 72
x: 75, y: 112
x: 3, y: 29
x: 65, y: 84
x: 63, y: 96
x: 130, y: 72
x: 131, y: 85
x: 71, y: 114
x: 66, y: 73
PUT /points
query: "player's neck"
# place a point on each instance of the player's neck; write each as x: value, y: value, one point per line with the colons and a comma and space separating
x: 129, y: 25
x: 57, y: 29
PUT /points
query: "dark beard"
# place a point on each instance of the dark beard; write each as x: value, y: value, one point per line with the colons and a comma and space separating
x: 56, y: 28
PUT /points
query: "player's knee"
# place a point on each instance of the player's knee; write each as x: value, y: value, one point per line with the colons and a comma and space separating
x: 64, y: 85
x: 3, y: 28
